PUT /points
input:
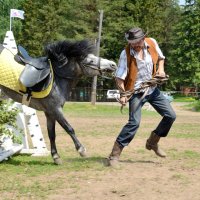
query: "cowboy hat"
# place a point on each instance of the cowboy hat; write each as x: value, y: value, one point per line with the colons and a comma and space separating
x: 134, y: 35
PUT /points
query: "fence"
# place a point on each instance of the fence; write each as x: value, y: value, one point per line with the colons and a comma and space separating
x: 84, y: 94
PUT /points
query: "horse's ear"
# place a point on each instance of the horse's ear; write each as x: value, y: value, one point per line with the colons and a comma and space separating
x: 49, y: 50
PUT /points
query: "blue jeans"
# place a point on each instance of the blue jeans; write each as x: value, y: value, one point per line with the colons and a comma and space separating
x: 159, y: 103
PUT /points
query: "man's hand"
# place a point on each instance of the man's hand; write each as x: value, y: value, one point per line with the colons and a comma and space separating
x: 160, y: 74
x: 123, y: 100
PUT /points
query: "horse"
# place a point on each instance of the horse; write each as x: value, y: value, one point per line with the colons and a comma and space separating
x: 70, y: 61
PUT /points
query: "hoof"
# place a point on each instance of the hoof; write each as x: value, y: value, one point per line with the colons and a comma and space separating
x: 82, y: 151
x: 106, y: 162
x: 111, y: 163
x: 57, y: 161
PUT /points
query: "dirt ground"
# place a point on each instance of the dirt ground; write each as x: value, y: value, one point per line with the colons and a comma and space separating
x: 141, y: 175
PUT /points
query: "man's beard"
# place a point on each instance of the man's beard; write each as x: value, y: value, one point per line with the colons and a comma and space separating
x: 137, y: 48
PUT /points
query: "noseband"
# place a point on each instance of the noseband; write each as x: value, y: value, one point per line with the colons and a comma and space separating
x: 93, y: 66
x: 96, y: 67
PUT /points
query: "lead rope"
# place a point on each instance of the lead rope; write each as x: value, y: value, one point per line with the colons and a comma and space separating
x: 157, y: 80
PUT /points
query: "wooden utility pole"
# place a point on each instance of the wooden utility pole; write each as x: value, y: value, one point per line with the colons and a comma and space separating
x: 94, y: 83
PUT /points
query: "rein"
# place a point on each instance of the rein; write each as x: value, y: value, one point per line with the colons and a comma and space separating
x: 157, y: 80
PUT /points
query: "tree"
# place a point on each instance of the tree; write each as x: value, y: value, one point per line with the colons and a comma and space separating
x: 5, y: 6
x: 185, y: 57
x: 41, y: 24
x: 47, y: 21
x: 80, y: 19
x: 153, y: 16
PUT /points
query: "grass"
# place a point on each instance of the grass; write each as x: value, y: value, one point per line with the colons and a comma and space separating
x: 194, y: 103
x: 195, y: 106
x: 98, y: 110
x: 186, y: 130
x: 21, y: 177
x: 88, y: 110
x: 26, y: 177
x: 183, y: 98
x: 187, y: 154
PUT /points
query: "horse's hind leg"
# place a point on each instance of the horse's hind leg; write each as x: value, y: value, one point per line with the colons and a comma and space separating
x: 52, y: 138
x: 68, y: 128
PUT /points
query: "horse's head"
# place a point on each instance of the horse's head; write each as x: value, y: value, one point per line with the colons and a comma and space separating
x: 98, y: 66
x: 73, y: 59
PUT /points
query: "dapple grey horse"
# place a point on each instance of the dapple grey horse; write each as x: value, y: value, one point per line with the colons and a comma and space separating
x: 70, y: 61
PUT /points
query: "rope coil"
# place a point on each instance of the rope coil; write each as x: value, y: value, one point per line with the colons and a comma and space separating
x: 157, y: 80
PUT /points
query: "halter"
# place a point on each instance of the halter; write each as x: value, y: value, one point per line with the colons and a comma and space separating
x: 93, y: 66
x: 83, y: 65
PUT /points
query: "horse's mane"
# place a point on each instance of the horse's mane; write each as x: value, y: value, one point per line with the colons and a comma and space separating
x: 69, y: 49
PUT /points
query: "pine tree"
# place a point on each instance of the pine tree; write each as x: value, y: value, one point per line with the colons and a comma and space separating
x: 185, y: 57
x: 41, y: 24
x: 5, y: 6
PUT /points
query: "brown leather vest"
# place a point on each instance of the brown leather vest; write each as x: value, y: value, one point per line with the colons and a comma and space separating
x: 132, y: 65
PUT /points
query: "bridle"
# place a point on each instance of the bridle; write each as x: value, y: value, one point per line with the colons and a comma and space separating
x: 92, y: 65
x: 95, y: 67
x: 83, y: 65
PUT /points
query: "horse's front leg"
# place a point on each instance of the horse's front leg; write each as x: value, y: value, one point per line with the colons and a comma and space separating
x: 68, y: 128
x: 52, y: 137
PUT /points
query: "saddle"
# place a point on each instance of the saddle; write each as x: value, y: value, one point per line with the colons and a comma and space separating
x: 36, y: 76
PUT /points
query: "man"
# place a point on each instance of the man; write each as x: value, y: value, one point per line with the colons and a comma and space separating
x: 141, y: 60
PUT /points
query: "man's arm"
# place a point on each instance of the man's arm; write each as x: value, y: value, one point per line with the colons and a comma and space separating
x: 161, y: 59
x: 120, y: 85
x: 120, y: 75
x: 160, y: 70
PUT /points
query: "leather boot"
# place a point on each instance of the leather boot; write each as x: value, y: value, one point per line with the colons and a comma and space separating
x: 113, y: 159
x: 152, y: 144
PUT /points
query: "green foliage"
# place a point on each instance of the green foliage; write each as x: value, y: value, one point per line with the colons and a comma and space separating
x: 80, y: 19
x: 183, y: 98
x: 41, y: 25
x: 197, y: 106
x: 175, y: 28
x: 185, y: 56
x: 48, y: 21
x: 155, y: 17
x: 5, y: 6
x: 8, y: 117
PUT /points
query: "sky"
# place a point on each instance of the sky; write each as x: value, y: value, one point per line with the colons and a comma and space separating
x: 181, y: 2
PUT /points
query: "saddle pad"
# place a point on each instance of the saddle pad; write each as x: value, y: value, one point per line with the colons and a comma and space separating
x: 10, y: 71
